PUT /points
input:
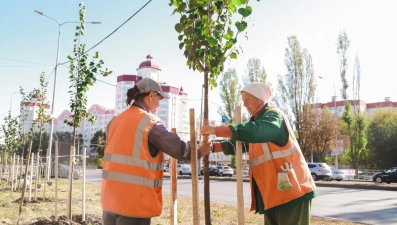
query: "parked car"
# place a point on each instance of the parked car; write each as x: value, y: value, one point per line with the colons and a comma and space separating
x: 166, y: 169
x: 246, y: 172
x: 213, y: 170
x: 225, y: 171
x: 63, y: 171
x: 387, y: 176
x: 337, y: 174
x: 184, y: 169
x: 320, y: 171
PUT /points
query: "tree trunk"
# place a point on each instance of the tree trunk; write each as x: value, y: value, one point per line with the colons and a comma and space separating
x: 207, y: 209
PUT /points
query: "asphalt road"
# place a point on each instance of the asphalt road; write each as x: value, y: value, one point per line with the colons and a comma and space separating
x: 359, y: 205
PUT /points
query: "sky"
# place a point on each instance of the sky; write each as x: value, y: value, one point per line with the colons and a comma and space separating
x: 28, y: 46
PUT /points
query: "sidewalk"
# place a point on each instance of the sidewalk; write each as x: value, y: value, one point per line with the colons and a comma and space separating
x: 356, y: 184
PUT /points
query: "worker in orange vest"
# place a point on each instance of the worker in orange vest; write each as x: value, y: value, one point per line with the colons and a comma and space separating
x: 133, y: 169
x: 281, y: 184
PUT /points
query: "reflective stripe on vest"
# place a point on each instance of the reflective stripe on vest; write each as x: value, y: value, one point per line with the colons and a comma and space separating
x: 132, y: 179
x: 267, y: 155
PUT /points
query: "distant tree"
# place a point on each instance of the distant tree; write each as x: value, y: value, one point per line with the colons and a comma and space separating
x: 98, y: 142
x: 24, y: 130
x: 359, y: 123
x: 229, y: 94
x: 255, y: 72
x: 342, y: 44
x: 319, y: 131
x: 297, y: 88
x: 382, y: 133
x: 10, y: 133
x: 40, y: 95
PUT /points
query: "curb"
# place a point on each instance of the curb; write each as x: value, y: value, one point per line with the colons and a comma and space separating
x: 340, y: 184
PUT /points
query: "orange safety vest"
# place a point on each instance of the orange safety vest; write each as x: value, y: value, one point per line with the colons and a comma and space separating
x: 132, y: 179
x: 265, y: 161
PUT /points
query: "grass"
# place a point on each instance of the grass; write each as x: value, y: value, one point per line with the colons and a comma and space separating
x: 43, y: 209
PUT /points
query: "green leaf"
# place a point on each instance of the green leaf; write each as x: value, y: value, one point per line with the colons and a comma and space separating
x: 233, y: 55
x: 245, y: 11
x: 241, y: 26
x: 180, y: 37
x: 179, y: 27
x: 226, y: 36
x: 182, y: 7
x: 212, y: 41
x: 237, y: 2
x: 181, y: 45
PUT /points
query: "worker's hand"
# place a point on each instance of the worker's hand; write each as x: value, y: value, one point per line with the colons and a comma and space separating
x: 205, y: 148
x: 207, y: 129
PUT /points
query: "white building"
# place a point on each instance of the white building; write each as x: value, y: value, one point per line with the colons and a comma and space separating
x: 173, y: 111
x: 103, y: 116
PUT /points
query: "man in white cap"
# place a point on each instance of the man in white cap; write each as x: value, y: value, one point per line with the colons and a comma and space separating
x: 281, y: 184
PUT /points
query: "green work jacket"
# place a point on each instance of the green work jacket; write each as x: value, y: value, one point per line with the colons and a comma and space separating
x: 264, y: 127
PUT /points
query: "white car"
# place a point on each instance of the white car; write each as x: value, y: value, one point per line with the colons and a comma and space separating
x: 246, y: 172
x: 166, y: 169
x: 183, y: 169
x: 337, y: 174
x: 320, y: 171
x: 225, y: 171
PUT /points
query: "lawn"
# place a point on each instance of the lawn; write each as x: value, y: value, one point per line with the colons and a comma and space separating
x: 42, y: 211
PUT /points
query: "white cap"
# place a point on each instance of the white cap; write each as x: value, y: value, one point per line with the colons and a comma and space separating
x: 259, y: 90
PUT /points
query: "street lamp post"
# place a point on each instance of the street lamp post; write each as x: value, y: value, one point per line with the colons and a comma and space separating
x: 55, y: 76
x: 336, y: 124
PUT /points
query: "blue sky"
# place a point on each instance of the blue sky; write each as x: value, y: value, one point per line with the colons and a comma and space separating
x: 28, y: 44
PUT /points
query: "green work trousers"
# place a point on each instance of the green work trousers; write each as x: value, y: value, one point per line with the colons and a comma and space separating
x: 298, y: 215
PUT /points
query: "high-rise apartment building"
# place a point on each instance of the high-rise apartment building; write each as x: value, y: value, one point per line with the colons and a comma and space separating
x: 173, y: 111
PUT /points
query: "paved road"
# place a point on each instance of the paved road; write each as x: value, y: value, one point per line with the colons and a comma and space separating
x: 360, y: 205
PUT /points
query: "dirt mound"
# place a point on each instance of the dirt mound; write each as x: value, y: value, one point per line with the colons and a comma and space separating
x: 76, y: 219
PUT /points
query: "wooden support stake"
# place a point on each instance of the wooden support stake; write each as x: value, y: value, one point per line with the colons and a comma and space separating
x: 37, y: 183
x: 239, y: 173
x: 13, y: 172
x: 31, y: 177
x: 83, y: 188
x: 196, y: 218
x: 174, y: 201
x: 24, y: 181
x: 69, y: 203
x: 17, y: 177
x: 56, y: 180
x: 1, y: 169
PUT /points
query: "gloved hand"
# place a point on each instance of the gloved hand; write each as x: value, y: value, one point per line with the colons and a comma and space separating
x: 283, y: 181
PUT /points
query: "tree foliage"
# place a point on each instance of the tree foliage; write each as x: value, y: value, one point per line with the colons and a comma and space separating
x: 207, y: 33
x: 10, y: 133
x: 229, y: 94
x: 25, y: 129
x: 381, y: 134
x: 297, y: 88
x: 98, y: 143
x: 40, y: 95
x: 342, y: 44
x: 319, y: 131
x: 255, y: 72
